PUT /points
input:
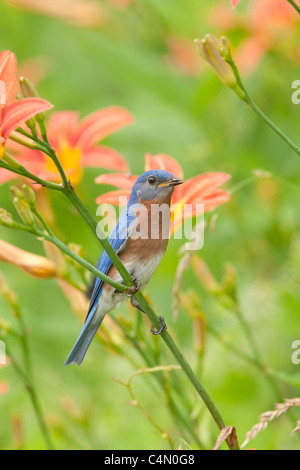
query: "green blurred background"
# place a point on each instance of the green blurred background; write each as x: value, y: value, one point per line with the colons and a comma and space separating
x: 182, y: 109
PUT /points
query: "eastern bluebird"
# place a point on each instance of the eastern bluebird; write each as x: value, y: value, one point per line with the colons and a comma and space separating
x: 140, y: 239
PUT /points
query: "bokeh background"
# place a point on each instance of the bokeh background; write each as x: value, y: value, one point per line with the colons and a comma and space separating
x: 85, y: 55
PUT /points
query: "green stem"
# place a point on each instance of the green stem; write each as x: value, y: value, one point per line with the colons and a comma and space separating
x: 34, y: 400
x: 271, y: 124
x: 294, y: 4
x: 83, y: 262
x: 251, y: 103
x: 20, y: 170
x: 182, y: 361
x: 42, y: 221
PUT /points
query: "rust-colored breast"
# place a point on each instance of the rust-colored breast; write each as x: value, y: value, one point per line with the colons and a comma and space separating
x: 150, y: 235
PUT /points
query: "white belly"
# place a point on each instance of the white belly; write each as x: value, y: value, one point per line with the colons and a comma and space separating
x: 142, y: 273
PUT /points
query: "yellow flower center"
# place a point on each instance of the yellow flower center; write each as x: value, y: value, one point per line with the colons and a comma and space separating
x: 70, y: 159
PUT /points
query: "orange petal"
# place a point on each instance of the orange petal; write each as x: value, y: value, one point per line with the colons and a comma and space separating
x: 8, y: 73
x: 104, y: 157
x: 101, y: 124
x: 120, y: 180
x: 6, y: 175
x: 35, y: 265
x: 165, y: 162
x: 20, y: 111
x: 197, y: 188
x: 114, y: 197
x: 61, y: 127
x: 215, y: 199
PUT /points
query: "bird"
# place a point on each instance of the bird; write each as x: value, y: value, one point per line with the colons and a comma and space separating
x: 140, y: 239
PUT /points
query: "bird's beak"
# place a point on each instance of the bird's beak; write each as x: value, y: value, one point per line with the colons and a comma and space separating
x: 172, y: 182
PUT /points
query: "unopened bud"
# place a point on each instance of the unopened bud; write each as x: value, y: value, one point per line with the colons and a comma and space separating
x: 29, y: 91
x: 208, y: 48
x: 217, y: 54
x: 23, y: 140
x: 6, y: 219
x: 29, y: 195
x: 11, y: 161
x: 16, y: 192
x: 24, y: 211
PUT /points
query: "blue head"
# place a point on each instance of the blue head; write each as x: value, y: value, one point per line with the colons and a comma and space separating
x: 154, y: 184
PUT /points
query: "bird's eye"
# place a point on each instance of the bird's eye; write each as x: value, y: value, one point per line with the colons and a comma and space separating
x: 151, y: 179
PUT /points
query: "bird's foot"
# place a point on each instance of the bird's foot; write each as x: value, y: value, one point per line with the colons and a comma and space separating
x: 133, y: 289
x: 163, y: 327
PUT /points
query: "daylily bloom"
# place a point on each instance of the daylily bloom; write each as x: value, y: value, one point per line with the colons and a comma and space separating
x: 14, y: 113
x: 75, y: 144
x: 36, y: 265
x: 201, y: 189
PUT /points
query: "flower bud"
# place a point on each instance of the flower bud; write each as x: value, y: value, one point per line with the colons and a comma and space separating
x: 23, y: 140
x: 225, y: 48
x: 6, y: 219
x: 208, y: 48
x: 29, y: 91
x: 24, y: 211
x: 11, y: 161
x: 217, y: 53
x: 29, y: 195
x: 16, y: 192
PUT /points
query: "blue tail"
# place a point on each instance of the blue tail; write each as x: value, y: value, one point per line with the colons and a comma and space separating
x: 81, y: 346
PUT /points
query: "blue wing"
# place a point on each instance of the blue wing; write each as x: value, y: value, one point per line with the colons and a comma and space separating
x: 117, y: 239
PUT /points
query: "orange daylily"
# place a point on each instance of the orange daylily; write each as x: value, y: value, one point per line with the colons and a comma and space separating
x: 14, y: 113
x: 201, y: 189
x: 75, y: 144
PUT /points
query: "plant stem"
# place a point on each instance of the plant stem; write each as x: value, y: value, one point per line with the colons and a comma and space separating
x: 182, y: 361
x: 34, y: 400
x: 251, y: 103
x: 271, y: 124
x: 83, y: 262
x: 294, y: 4
x: 20, y: 170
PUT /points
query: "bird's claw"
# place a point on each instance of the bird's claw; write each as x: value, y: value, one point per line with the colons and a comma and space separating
x: 133, y: 289
x: 163, y: 327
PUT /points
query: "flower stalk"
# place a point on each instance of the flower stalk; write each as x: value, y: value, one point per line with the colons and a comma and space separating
x: 218, y: 55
